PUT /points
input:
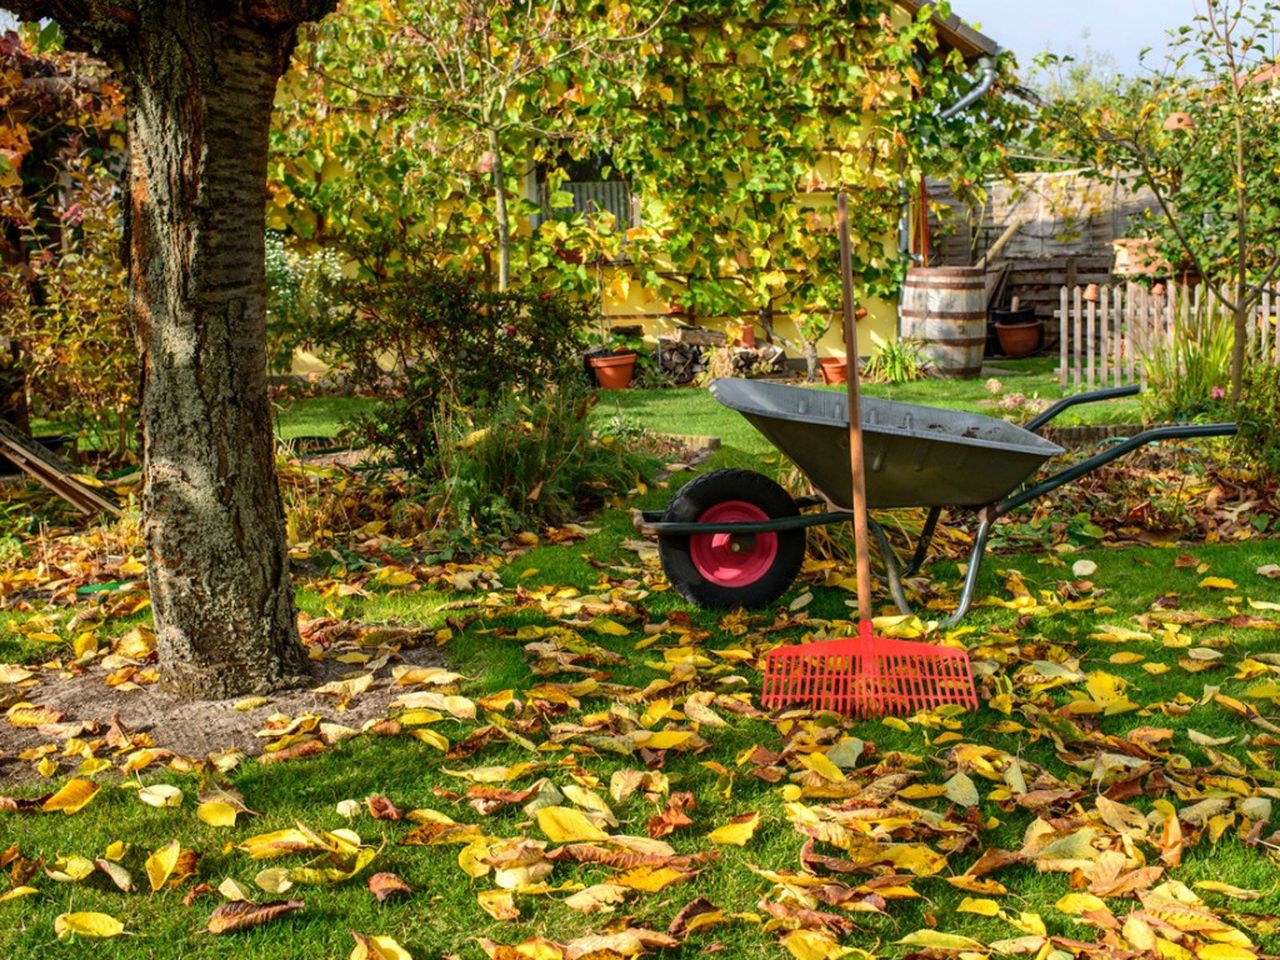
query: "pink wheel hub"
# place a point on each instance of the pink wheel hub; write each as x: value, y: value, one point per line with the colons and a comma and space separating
x: 733, y: 560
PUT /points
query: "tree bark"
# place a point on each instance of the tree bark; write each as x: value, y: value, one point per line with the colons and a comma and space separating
x: 200, y: 79
x: 199, y: 99
x: 500, y: 212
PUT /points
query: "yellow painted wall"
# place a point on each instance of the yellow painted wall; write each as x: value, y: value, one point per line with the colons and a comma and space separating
x: 641, y: 306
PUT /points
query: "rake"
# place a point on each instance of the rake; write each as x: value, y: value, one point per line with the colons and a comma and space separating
x: 864, y: 675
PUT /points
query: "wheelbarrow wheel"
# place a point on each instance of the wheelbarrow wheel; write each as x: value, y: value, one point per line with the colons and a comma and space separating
x: 722, y: 570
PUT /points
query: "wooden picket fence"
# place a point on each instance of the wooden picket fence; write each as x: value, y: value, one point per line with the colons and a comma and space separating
x: 1102, y: 338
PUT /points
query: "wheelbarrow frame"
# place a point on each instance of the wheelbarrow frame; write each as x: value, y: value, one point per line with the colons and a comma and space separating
x: 652, y: 523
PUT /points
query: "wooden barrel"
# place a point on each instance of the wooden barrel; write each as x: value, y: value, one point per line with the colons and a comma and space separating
x: 944, y: 308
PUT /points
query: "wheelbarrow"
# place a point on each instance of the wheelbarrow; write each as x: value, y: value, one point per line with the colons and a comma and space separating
x: 734, y: 538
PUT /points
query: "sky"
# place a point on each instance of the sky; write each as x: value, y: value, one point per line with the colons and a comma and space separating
x: 1117, y: 28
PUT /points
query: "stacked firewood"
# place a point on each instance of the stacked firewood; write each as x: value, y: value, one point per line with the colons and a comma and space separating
x: 682, y: 362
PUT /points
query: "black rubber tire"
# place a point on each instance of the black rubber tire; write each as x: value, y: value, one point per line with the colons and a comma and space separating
x: 696, y: 498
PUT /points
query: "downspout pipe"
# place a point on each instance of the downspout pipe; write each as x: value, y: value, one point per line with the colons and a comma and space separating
x: 986, y: 80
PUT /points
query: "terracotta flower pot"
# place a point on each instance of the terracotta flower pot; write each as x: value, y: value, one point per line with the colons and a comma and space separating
x: 834, y: 370
x: 614, y: 372
x: 1019, y: 339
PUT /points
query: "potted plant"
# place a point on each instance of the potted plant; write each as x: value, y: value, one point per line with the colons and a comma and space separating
x: 1017, y: 330
x: 611, y: 364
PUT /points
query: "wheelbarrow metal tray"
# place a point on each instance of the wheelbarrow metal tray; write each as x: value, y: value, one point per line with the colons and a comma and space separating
x: 916, y: 456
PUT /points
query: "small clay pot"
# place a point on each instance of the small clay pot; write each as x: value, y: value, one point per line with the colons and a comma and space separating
x: 834, y: 370
x: 614, y: 372
x: 1019, y: 339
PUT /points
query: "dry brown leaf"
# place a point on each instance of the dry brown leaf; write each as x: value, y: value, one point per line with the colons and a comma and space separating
x: 384, y: 885
x: 243, y: 914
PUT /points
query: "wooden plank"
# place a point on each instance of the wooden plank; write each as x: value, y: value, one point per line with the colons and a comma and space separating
x: 1117, y: 345
x: 1091, y: 318
x: 1104, y: 319
x: 51, y: 470
x: 1063, y: 315
x: 1076, y: 317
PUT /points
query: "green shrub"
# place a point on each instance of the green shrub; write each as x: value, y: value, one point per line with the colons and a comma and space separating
x: 435, y: 344
x: 1258, y: 414
x: 483, y: 399
x: 894, y: 363
x: 1188, y: 375
x: 520, y: 464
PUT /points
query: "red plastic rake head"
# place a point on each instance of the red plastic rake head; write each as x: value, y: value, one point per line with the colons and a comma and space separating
x: 868, y: 676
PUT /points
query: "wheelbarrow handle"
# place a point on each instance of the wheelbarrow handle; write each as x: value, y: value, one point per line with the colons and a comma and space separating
x: 1093, y: 396
x: 1176, y: 431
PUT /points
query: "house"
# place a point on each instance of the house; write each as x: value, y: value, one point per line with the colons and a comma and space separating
x: 629, y: 302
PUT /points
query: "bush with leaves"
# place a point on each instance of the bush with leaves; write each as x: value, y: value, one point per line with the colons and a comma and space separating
x: 440, y: 347
x: 894, y: 363
x: 521, y: 463
x: 1189, y: 370
x: 1258, y: 412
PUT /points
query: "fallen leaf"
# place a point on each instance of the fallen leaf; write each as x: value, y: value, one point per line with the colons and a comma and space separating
x: 87, y: 925
x: 118, y: 874
x: 217, y: 813
x: 378, y: 948
x: 566, y: 825
x: 384, y: 885
x: 737, y: 831
x: 72, y: 797
x: 243, y: 914
x: 161, y: 795
x: 160, y: 865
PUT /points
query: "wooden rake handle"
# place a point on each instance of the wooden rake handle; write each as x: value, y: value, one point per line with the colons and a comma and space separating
x: 857, y: 463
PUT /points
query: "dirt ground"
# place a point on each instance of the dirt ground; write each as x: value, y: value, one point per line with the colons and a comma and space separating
x: 196, y: 728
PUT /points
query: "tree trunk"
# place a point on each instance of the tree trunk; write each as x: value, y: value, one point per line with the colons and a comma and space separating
x: 810, y: 360
x: 500, y: 212
x: 199, y: 100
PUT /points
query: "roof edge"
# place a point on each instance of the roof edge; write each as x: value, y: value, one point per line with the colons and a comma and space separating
x: 956, y: 33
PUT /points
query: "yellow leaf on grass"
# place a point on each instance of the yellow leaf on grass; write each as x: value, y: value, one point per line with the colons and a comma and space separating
x: 499, y: 904
x: 979, y: 905
x: 663, y: 739
x: 1125, y: 657
x: 936, y: 940
x: 216, y: 813
x: 87, y: 925
x: 565, y: 825
x: 1218, y: 583
x: 1225, y: 951
x: 72, y: 797
x: 737, y: 831
x: 960, y: 789
x: 1074, y: 904
x: 378, y: 948
x: 1227, y: 890
x: 823, y: 767
x: 652, y: 879
x: 161, y: 795
x: 161, y: 864
x: 431, y: 738
x: 607, y: 627
x: 278, y: 843
x: 813, y: 945
x: 17, y: 892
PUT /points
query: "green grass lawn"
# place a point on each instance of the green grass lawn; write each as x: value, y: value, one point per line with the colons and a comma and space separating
x: 1031, y: 641
x: 691, y: 410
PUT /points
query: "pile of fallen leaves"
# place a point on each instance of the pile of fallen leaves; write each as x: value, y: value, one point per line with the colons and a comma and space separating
x: 623, y: 807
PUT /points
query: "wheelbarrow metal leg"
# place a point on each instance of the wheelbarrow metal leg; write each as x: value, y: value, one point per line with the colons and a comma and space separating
x: 975, y: 566
x: 892, y: 574
x: 922, y: 547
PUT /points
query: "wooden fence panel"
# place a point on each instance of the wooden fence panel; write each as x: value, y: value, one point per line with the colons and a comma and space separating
x: 1105, y: 331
